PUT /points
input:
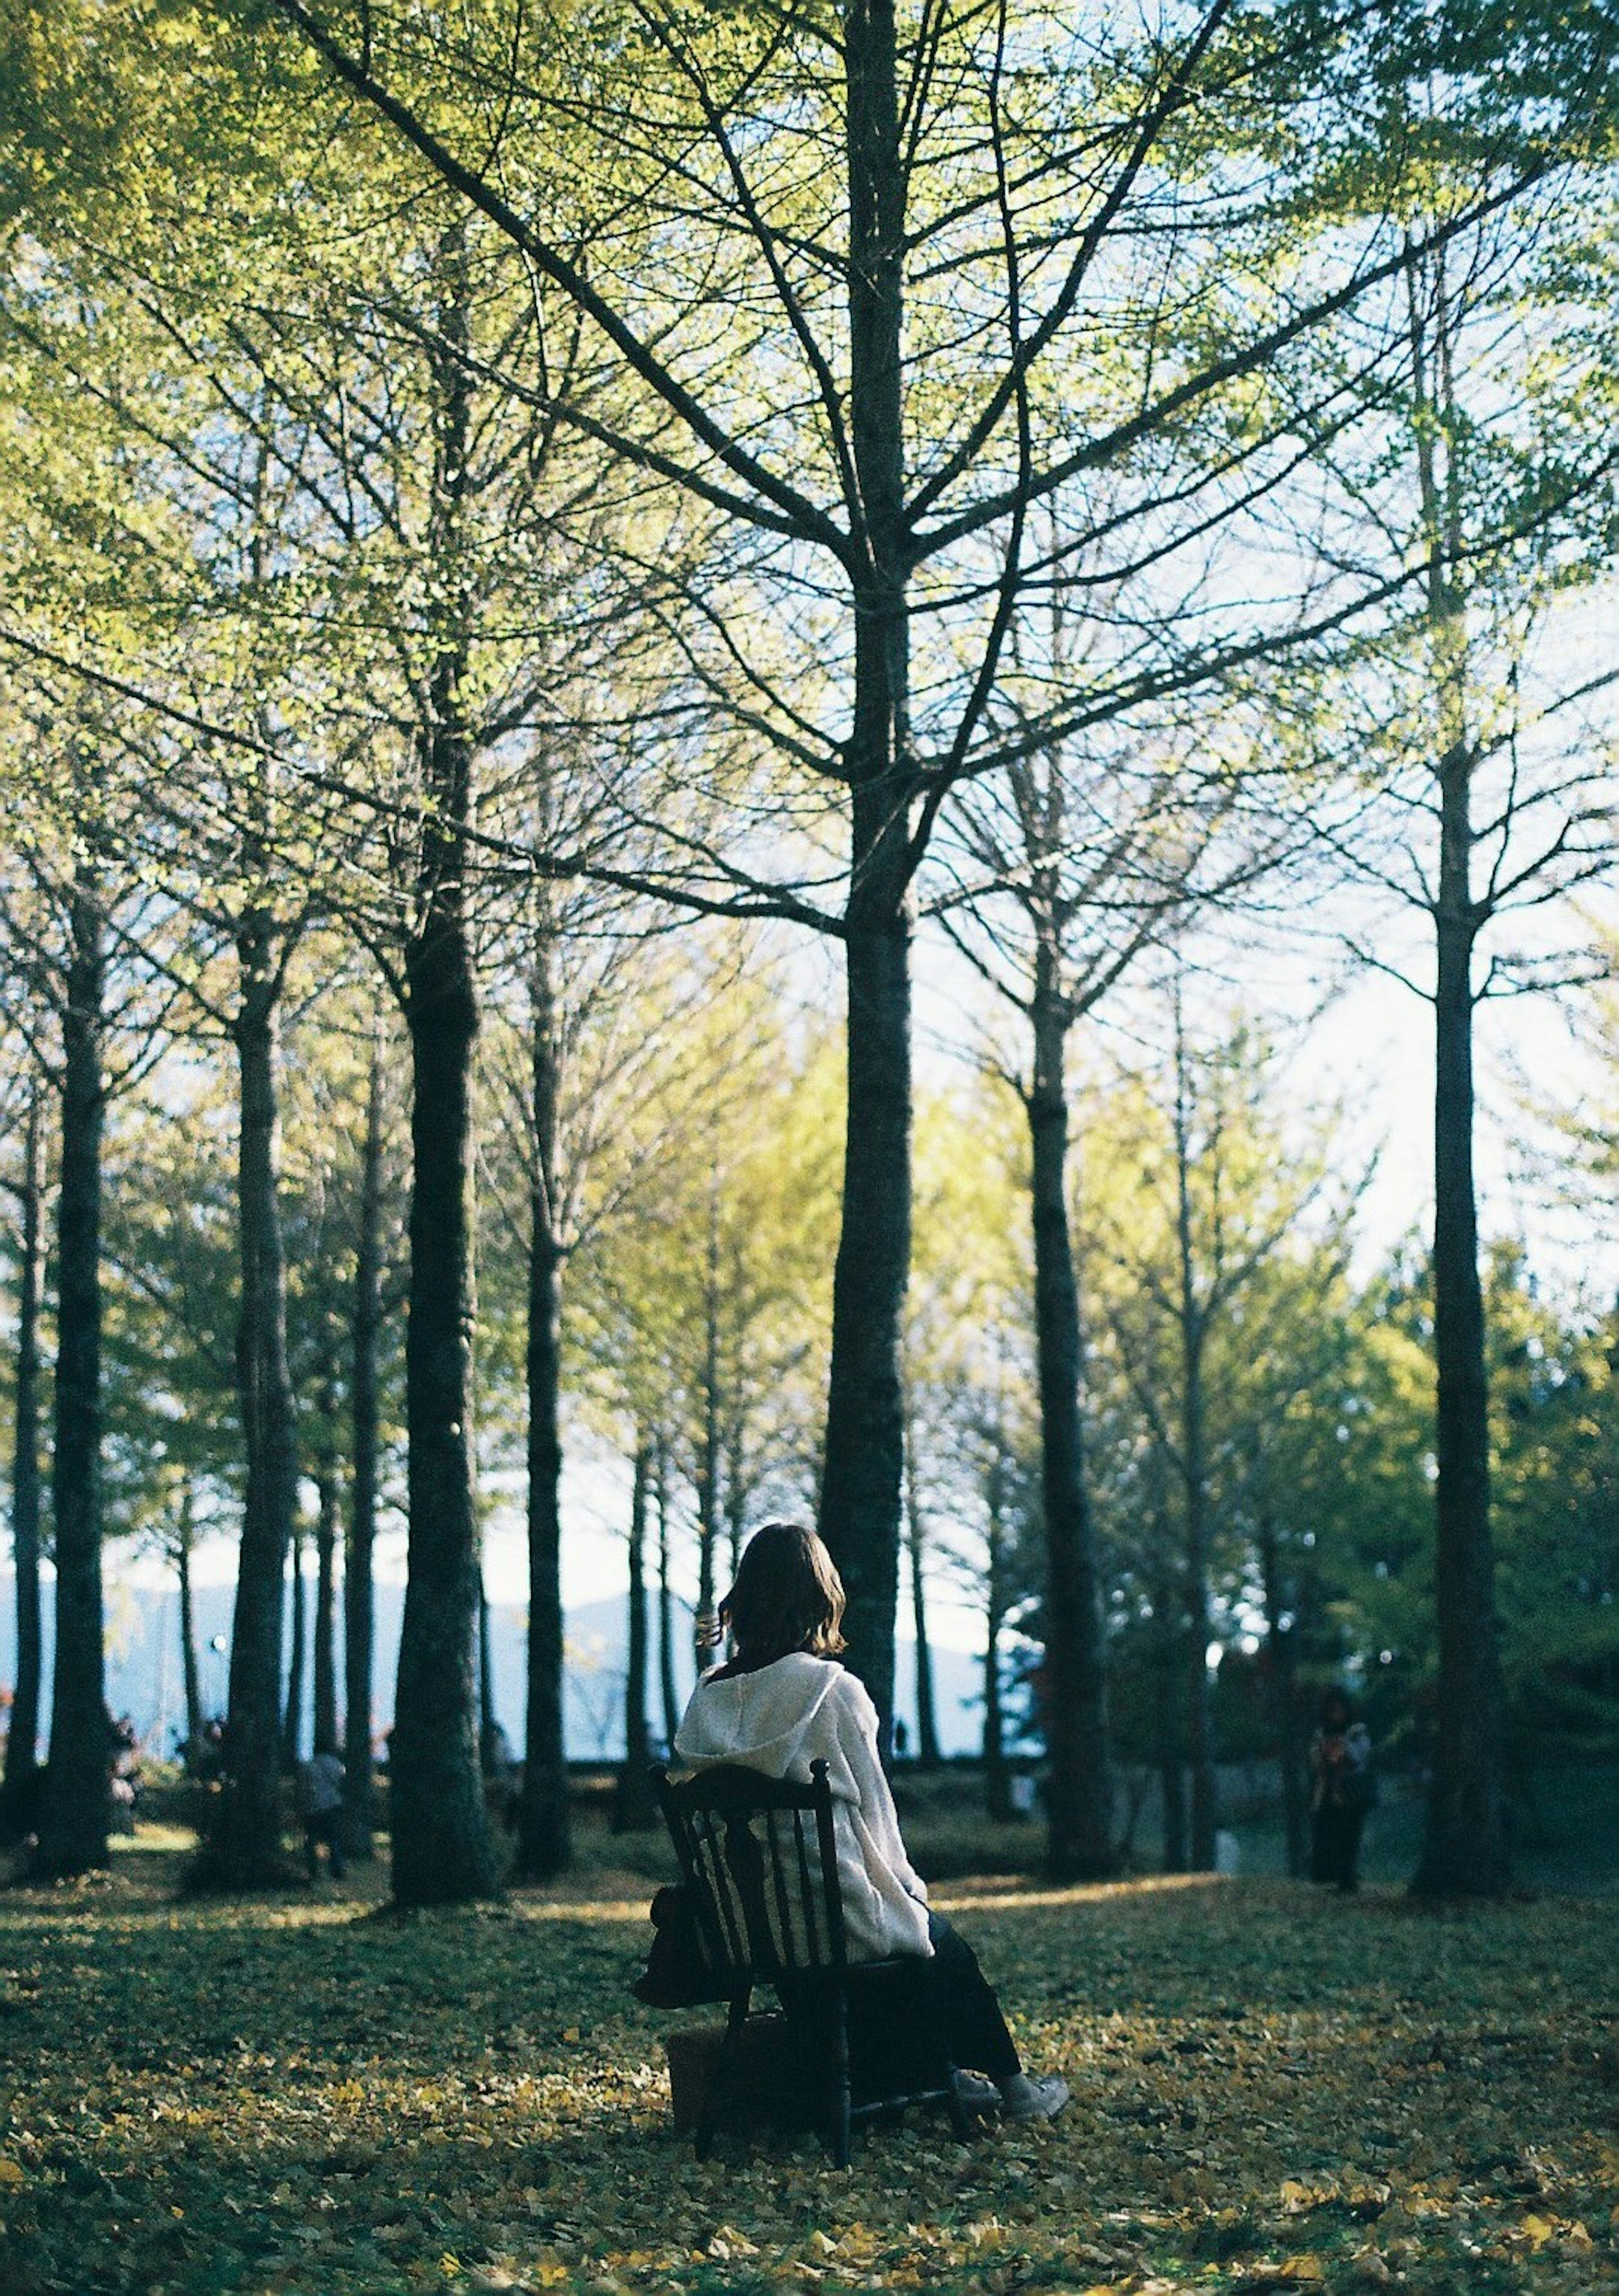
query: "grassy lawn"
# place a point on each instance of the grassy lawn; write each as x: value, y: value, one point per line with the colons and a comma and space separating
x: 1271, y: 2088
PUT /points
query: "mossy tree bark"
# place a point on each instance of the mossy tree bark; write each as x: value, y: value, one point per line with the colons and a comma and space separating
x: 544, y: 1829
x: 19, y: 1791
x: 442, y: 1850
x: 244, y: 1847
x: 72, y: 1834
x: 633, y: 1806
x: 359, y: 1785
x: 1079, y: 1790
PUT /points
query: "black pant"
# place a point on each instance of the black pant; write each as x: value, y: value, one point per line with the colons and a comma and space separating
x: 1335, y: 1843
x: 325, y: 1825
x: 894, y: 2010
x: 965, y: 2002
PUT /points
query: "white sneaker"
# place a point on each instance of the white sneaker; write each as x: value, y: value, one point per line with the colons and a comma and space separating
x: 1042, y: 2098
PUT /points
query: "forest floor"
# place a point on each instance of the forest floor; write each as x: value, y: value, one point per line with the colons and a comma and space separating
x: 1271, y: 2088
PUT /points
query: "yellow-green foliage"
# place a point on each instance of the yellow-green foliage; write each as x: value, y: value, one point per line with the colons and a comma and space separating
x: 1269, y: 2088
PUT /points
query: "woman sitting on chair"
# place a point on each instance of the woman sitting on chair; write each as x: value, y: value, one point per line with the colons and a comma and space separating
x: 782, y: 1703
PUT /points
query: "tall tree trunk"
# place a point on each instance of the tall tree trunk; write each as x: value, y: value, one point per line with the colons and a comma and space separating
x: 297, y: 1658
x: 359, y: 1781
x: 1194, y: 1477
x: 72, y: 1837
x: 864, y: 1456
x: 486, y: 1673
x: 997, y: 1787
x: 545, y: 1846
x: 1079, y: 1788
x: 442, y: 1849
x: 708, y: 1440
x: 196, y: 1719
x: 323, y: 1638
x: 667, y: 1692
x: 1465, y: 1845
x: 736, y: 1473
x: 20, y: 1791
x: 632, y: 1804
x: 1169, y: 1748
x: 1281, y: 1645
x: 245, y: 1849
x: 927, y: 1755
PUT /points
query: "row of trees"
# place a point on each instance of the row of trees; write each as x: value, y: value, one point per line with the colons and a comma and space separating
x: 961, y: 473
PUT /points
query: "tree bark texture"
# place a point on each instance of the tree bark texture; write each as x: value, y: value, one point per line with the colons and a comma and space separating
x: 633, y: 1807
x: 298, y: 1656
x: 864, y: 1464
x: 669, y: 1696
x: 442, y: 1850
x: 72, y: 1836
x: 19, y: 1791
x: 997, y: 1787
x: 323, y: 1638
x: 928, y: 1753
x: 1194, y: 1482
x: 1465, y: 1851
x: 545, y: 1827
x: 359, y: 1784
x: 708, y: 1443
x: 1079, y: 1788
x: 196, y: 1719
x: 245, y: 1849
x: 1281, y: 1643
x: 1168, y: 1644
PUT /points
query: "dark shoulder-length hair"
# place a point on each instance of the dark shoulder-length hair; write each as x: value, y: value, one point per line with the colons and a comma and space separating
x: 787, y: 1597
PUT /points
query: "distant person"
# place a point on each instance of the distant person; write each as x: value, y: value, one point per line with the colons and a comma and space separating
x: 1342, y: 1792
x: 902, y: 1738
x: 320, y: 1802
x: 782, y: 1703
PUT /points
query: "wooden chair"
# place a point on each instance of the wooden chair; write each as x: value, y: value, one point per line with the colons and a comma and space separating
x: 759, y: 1858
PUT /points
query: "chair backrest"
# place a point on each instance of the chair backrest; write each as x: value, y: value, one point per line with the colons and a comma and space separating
x: 760, y: 1860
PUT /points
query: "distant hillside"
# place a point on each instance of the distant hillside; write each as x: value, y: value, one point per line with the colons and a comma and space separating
x: 144, y: 1677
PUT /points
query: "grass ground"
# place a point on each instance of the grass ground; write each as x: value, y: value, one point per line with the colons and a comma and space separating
x: 307, y: 2094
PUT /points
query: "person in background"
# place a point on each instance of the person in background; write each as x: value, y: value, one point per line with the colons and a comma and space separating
x: 1341, y: 1792
x: 782, y: 1703
x: 319, y: 1804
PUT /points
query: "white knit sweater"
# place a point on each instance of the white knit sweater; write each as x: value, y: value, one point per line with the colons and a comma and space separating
x: 777, y: 1721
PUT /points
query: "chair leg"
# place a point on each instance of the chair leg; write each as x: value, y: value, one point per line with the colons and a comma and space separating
x: 708, y: 2120
x: 842, y: 2092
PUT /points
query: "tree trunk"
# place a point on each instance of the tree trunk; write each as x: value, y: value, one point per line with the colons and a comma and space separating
x: 1079, y: 1781
x: 1194, y: 1477
x: 359, y: 1780
x: 298, y: 1660
x: 997, y: 1787
x: 864, y: 1456
x: 18, y: 1794
x: 244, y: 1850
x: 666, y: 1601
x: 442, y: 1849
x: 633, y: 1807
x: 1281, y: 1643
x: 708, y: 1443
x: 544, y: 1845
x: 927, y: 1754
x: 72, y: 1837
x: 1464, y: 1846
x: 487, y: 1719
x: 323, y: 1638
x: 196, y: 1719
x: 1169, y: 1750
